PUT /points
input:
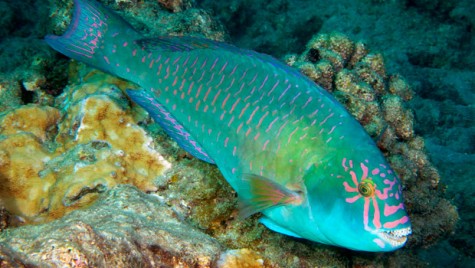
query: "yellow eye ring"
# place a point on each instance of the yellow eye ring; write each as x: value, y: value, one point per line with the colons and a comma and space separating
x: 366, y: 188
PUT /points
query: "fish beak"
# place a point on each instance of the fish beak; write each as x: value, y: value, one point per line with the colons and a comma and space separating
x: 396, y: 238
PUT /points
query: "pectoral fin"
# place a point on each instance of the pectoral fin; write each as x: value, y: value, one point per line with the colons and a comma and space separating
x: 264, y: 193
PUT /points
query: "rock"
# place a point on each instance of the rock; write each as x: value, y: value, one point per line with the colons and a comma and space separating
x: 124, y: 228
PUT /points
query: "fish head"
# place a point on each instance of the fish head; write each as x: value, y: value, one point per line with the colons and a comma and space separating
x: 358, y: 203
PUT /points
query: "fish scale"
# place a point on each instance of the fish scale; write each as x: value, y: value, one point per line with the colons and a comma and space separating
x: 287, y: 147
x: 246, y: 111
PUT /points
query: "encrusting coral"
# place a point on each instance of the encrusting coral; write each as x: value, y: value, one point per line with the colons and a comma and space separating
x: 240, y: 258
x: 378, y: 100
x: 55, y: 160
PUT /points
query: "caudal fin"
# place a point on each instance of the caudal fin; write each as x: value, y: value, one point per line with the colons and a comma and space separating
x: 93, y: 35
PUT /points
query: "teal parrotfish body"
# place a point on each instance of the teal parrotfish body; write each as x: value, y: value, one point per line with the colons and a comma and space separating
x: 287, y: 147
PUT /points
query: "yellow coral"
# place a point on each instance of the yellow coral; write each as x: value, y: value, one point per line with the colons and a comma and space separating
x: 95, y: 145
x: 22, y: 191
x: 245, y: 258
x: 133, y: 155
x: 37, y: 120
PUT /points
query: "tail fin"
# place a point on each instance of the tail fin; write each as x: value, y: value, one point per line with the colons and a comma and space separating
x: 94, y: 33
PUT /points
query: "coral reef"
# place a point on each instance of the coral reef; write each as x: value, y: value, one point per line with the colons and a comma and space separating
x: 176, y: 5
x: 152, y: 18
x: 240, y: 258
x: 359, y: 80
x: 54, y: 160
x: 10, y: 93
x: 152, y: 234
x: 125, y: 228
x: 64, y: 163
x: 64, y: 151
x: 78, y: 156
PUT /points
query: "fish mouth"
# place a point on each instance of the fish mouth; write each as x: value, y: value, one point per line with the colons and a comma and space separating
x: 396, y: 237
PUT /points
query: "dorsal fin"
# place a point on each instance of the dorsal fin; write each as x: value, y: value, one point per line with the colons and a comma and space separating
x: 169, y: 123
x: 180, y: 44
x: 189, y: 43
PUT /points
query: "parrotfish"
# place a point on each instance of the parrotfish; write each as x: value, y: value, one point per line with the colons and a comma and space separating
x: 284, y: 144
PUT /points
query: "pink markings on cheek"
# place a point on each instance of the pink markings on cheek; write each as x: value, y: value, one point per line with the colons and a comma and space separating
x: 376, y: 220
x: 390, y: 210
x: 395, y: 223
x: 382, y: 175
x: 348, y: 188
x: 365, y: 171
x: 365, y: 213
x: 384, y: 195
x: 379, y: 242
x: 343, y: 163
x: 353, y: 177
x: 352, y: 199
x: 375, y: 171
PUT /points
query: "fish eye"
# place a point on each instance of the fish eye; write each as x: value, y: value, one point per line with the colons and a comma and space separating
x: 366, y: 188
